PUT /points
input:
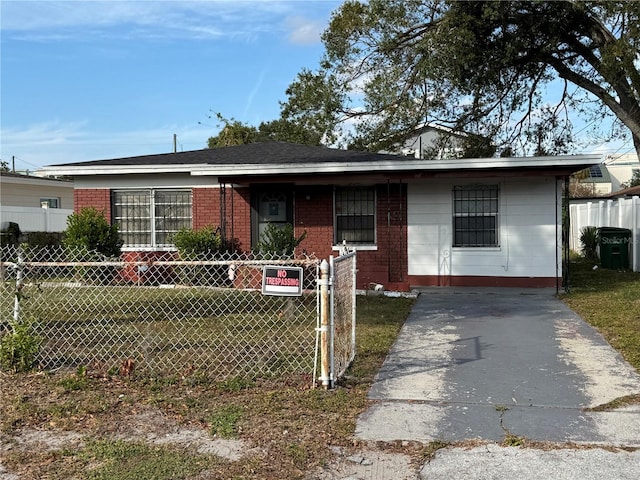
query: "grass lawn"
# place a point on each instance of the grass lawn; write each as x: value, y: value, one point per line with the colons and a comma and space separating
x: 610, y: 301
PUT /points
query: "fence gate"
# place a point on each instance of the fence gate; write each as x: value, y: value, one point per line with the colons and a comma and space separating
x: 336, y: 317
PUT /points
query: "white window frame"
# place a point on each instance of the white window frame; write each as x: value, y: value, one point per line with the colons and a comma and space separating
x: 153, y: 228
x: 50, y: 202
x: 485, y: 206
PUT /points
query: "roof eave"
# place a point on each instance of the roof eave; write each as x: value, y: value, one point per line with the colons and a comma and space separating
x: 570, y: 162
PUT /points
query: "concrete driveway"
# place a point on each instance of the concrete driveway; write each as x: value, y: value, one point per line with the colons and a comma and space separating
x: 487, y: 363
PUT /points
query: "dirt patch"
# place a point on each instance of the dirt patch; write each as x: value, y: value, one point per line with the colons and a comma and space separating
x: 149, y: 426
x: 152, y: 426
x: 33, y: 439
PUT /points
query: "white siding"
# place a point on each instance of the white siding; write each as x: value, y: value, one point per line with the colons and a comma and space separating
x: 528, y: 212
x: 28, y: 192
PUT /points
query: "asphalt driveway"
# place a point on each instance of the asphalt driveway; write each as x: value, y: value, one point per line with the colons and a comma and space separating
x: 487, y: 363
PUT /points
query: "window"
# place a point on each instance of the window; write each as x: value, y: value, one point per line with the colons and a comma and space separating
x: 50, y: 202
x: 148, y: 218
x: 475, y: 216
x: 355, y: 217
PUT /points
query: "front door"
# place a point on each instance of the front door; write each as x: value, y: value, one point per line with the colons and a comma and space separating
x: 272, y: 204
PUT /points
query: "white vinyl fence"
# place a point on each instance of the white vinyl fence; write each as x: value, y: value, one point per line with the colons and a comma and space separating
x: 621, y: 213
x: 35, y: 219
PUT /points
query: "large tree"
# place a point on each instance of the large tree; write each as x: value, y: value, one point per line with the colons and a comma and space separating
x: 234, y: 132
x: 516, y: 72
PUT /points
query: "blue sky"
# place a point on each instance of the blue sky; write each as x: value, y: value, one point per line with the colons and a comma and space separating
x: 84, y: 80
x: 88, y: 79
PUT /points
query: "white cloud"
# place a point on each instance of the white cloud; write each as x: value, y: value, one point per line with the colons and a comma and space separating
x: 54, y: 142
x: 304, y: 31
x: 57, y: 20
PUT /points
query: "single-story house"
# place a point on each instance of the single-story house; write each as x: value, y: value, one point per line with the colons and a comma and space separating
x: 462, y: 222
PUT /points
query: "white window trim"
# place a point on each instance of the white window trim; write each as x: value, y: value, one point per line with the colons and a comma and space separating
x: 497, y: 215
x: 152, y: 196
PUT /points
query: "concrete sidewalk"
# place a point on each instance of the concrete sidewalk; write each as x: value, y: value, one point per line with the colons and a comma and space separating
x: 487, y: 363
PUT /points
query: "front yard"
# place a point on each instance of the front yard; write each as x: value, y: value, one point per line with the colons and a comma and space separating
x: 95, y: 425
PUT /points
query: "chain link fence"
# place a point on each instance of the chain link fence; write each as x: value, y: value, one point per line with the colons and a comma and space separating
x: 343, y: 303
x: 158, y: 314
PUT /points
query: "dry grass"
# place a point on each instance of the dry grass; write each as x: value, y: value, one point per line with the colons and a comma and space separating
x: 284, y: 422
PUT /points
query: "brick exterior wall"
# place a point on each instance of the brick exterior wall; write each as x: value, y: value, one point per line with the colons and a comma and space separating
x: 238, y: 216
x: 100, y: 198
x: 388, y: 263
x: 237, y: 205
x: 205, y: 207
x: 313, y: 213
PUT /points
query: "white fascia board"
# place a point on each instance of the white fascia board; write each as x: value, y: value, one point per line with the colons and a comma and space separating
x: 398, y: 166
x: 79, y: 170
x: 330, y: 167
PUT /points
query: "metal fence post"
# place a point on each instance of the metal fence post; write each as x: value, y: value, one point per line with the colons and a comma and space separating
x: 16, y: 301
x: 324, y: 325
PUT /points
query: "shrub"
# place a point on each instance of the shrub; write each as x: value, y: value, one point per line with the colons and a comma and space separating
x: 193, y: 243
x: 89, y: 230
x: 10, y: 234
x: 18, y: 348
x: 198, y: 245
x: 279, y: 240
x: 89, y: 233
x: 589, y: 240
x: 44, y: 239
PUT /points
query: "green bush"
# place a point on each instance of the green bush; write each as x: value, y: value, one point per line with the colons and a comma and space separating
x: 89, y: 231
x: 200, y: 245
x: 589, y: 239
x: 43, y: 239
x: 194, y: 243
x: 89, y: 235
x: 10, y: 234
x: 279, y: 240
x: 18, y: 348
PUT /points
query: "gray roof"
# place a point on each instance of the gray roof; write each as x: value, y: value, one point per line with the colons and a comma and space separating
x: 280, y: 158
x: 264, y: 153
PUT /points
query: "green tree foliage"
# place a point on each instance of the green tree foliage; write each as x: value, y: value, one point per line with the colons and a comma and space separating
x: 634, y: 182
x: 234, y: 132
x: 481, y: 67
x: 89, y: 230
